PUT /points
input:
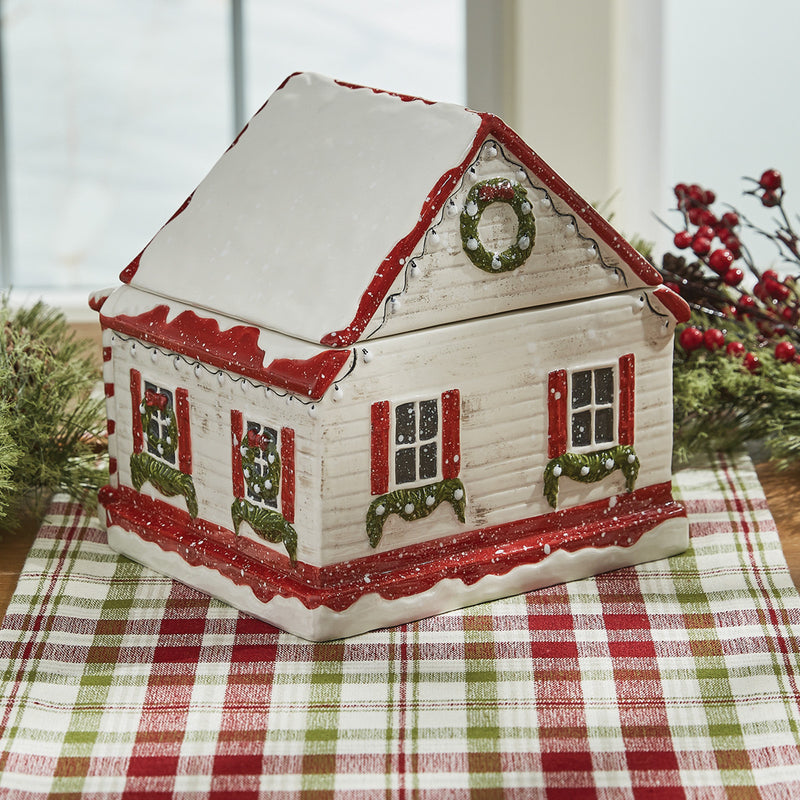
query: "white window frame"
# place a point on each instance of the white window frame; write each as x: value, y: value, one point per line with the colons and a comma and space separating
x: 417, y: 445
x: 593, y: 407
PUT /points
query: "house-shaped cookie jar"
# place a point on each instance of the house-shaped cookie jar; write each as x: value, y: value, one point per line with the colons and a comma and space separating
x: 384, y: 363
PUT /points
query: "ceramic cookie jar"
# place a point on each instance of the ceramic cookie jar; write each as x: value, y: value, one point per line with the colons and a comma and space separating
x: 384, y: 363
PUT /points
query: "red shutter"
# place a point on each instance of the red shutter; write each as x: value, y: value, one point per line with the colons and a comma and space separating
x: 184, y: 431
x: 237, y: 476
x: 136, y: 413
x: 451, y: 433
x: 380, y: 447
x: 287, y: 474
x: 627, y: 404
x: 557, y: 413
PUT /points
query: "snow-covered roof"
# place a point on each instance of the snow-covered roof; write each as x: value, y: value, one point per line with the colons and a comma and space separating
x: 291, y: 225
x: 307, y: 219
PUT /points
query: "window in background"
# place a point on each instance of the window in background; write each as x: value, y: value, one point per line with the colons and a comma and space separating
x: 116, y: 110
x: 729, y: 107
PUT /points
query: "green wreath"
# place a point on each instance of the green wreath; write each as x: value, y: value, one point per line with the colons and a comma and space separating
x: 483, y: 194
x: 266, y: 486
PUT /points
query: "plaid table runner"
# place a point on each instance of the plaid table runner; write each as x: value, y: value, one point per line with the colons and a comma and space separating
x: 674, y: 679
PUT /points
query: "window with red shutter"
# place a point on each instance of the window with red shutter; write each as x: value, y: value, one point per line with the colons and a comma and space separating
x: 262, y: 464
x: 287, y: 474
x: 627, y: 396
x: 557, y: 413
x: 592, y: 408
x: 415, y: 442
x: 136, y: 411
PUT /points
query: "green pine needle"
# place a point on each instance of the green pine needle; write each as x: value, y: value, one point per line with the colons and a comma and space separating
x: 52, y: 414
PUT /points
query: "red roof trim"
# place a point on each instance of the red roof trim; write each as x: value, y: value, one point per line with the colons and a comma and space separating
x: 392, y: 265
x: 127, y: 274
x: 233, y: 349
x: 406, y: 98
x: 600, y: 226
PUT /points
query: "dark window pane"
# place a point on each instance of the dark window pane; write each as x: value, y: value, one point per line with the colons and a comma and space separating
x: 604, y: 386
x: 405, y: 424
x: 428, y: 419
x: 405, y: 467
x: 581, y: 389
x: 427, y: 461
x: 582, y: 429
x: 604, y: 425
x: 153, y: 431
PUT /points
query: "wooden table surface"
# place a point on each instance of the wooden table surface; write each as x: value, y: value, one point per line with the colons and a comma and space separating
x: 781, y: 488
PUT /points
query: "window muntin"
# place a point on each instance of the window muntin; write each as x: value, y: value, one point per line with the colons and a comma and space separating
x: 417, y: 441
x: 160, y: 427
x: 592, y: 408
x: 261, y: 475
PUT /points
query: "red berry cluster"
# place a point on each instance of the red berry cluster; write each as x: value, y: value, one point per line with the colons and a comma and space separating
x: 695, y: 203
x: 770, y: 188
x: 774, y: 303
x: 692, y: 338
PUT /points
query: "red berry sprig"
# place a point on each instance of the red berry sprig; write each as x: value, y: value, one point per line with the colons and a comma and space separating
x: 692, y: 339
x: 715, y: 281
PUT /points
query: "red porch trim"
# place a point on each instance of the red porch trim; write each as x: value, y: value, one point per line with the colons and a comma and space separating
x: 402, y: 572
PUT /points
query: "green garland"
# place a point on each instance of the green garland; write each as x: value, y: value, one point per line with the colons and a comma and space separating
x: 497, y: 190
x: 266, y: 523
x: 413, y: 504
x: 166, y: 479
x: 590, y: 468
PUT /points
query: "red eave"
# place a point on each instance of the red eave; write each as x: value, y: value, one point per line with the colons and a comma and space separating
x: 674, y: 303
x: 235, y: 349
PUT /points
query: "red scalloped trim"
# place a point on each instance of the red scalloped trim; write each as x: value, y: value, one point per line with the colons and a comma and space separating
x: 235, y: 349
x: 403, y: 572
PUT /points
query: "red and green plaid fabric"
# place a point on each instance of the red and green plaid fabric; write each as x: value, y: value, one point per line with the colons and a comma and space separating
x: 675, y: 679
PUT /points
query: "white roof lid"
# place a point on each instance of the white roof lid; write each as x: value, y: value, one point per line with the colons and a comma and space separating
x: 292, y: 223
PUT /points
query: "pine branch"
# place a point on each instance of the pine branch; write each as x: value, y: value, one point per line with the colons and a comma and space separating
x: 51, y: 416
